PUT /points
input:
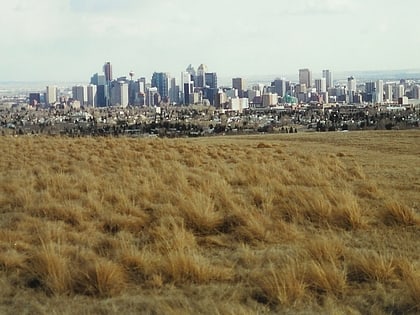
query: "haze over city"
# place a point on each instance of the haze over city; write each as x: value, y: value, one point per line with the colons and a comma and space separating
x: 69, y: 40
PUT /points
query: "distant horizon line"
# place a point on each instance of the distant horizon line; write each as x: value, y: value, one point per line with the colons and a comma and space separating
x: 340, y: 74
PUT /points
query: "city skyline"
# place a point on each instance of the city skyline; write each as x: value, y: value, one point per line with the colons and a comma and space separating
x: 67, y: 40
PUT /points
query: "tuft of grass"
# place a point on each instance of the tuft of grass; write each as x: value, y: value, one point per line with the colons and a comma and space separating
x: 348, y: 214
x: 284, y: 285
x: 188, y: 265
x: 397, y: 213
x: 371, y: 266
x: 329, y: 249
x: 102, y: 278
x: 50, y: 269
x: 326, y: 278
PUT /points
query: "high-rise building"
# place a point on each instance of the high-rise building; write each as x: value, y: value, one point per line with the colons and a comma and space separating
x: 416, y: 92
x: 108, y: 71
x: 190, y: 69
x: 351, y: 89
x: 321, y: 85
x: 400, y: 91
x: 92, y: 95
x: 187, y: 87
x: 119, y: 93
x: 173, y: 91
x: 279, y: 86
x: 152, y: 96
x: 388, y: 92
x: 51, y: 95
x: 305, y: 77
x: 102, y: 89
x: 210, y: 91
x: 200, y: 79
x: 239, y: 84
x: 80, y: 94
x: 160, y: 80
x: 370, y: 87
x: 327, y: 74
x: 211, y: 80
x: 379, y: 91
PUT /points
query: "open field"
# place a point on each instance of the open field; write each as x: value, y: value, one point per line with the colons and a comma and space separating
x: 324, y: 223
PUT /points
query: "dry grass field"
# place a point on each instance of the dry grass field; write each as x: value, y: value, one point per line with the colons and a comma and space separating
x: 272, y: 224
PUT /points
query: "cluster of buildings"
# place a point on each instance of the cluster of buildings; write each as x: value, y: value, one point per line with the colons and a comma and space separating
x: 201, y: 87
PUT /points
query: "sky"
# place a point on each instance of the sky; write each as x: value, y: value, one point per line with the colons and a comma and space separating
x: 69, y: 40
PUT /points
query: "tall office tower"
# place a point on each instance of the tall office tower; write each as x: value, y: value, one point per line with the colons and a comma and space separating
x: 136, y: 91
x: 119, y: 93
x: 416, y: 92
x: 279, y: 86
x: 400, y: 91
x: 321, y: 85
x: 133, y: 91
x: 174, y: 91
x: 305, y: 77
x: 80, y: 94
x: 379, y: 95
x: 388, y: 92
x: 351, y: 88
x: 152, y: 96
x: 211, y: 80
x: 51, y: 95
x: 101, y: 88
x: 239, y: 84
x: 370, y: 92
x: 108, y: 71
x: 370, y: 87
x: 160, y: 80
x: 190, y: 69
x: 187, y: 87
x: 210, y: 91
x: 92, y: 95
x: 327, y: 74
x: 200, y: 79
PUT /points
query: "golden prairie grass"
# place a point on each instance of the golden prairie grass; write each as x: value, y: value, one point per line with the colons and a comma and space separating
x: 282, y: 285
x: 397, y: 213
x: 272, y: 224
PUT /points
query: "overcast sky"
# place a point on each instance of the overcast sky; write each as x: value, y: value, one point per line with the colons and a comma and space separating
x: 69, y: 40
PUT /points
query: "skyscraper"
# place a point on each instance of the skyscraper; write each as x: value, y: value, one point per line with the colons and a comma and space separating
x: 190, y: 69
x: 279, y: 86
x: 160, y: 80
x: 108, y: 71
x: 211, y: 80
x: 187, y: 87
x: 101, y: 89
x: 80, y: 94
x: 321, y: 85
x: 210, y: 91
x: 239, y: 84
x: 51, y: 95
x: 200, y: 79
x: 388, y: 92
x: 119, y: 93
x: 92, y: 95
x: 379, y: 91
x: 305, y: 77
x: 416, y: 92
x: 351, y: 88
x: 327, y: 74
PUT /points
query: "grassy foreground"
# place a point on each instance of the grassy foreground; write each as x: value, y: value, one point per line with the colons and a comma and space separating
x: 292, y: 223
